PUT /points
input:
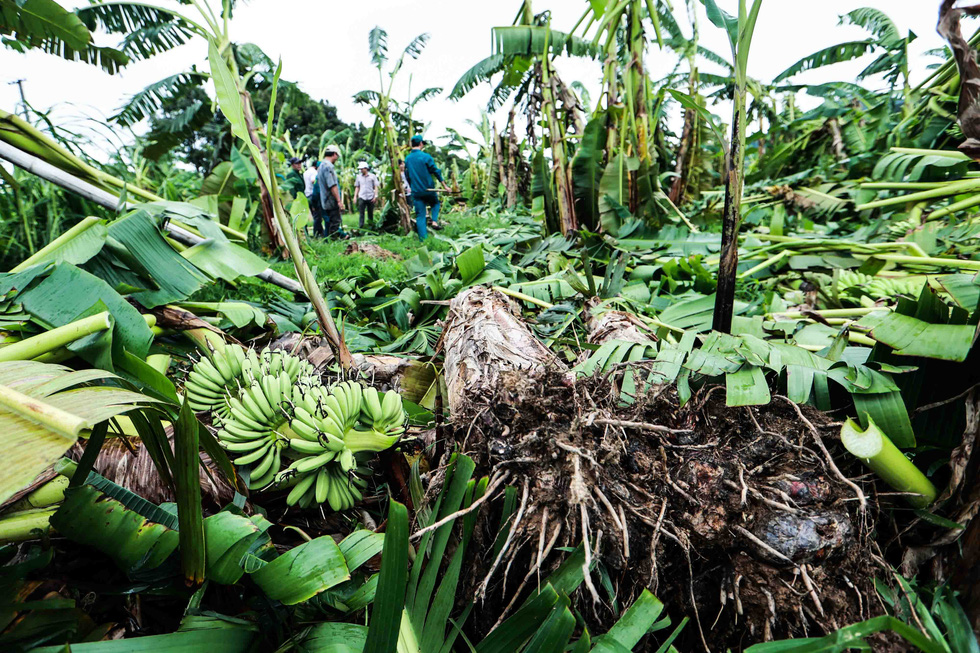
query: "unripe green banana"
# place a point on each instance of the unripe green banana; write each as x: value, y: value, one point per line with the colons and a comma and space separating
x: 300, y: 489
x: 322, y: 485
x: 371, y: 406
x: 313, y: 462
x: 306, y: 447
x: 254, y: 456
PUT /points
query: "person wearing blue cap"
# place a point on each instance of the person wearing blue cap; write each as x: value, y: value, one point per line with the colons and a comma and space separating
x: 420, y: 167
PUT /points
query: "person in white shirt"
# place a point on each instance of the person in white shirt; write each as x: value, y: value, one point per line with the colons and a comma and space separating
x: 309, y: 177
x: 366, y: 191
x: 312, y: 192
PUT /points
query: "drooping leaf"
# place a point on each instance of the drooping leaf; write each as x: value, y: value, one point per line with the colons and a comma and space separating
x: 587, y: 171
x: 30, y: 445
x: 303, y: 572
x: 69, y: 292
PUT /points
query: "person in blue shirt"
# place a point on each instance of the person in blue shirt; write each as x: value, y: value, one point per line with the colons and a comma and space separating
x: 420, y: 167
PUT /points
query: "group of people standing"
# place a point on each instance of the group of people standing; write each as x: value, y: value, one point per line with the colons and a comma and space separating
x: 321, y: 187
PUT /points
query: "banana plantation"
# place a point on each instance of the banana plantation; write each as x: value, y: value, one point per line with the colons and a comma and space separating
x: 691, y: 364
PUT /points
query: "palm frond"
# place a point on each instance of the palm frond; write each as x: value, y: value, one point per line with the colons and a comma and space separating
x: 714, y: 57
x: 528, y: 40
x: 172, y: 130
x: 875, y: 21
x: 828, y: 56
x: 151, y: 98
x: 414, y: 49
x: 367, y: 97
x: 47, y: 26
x: 378, y: 46
x: 482, y: 72
x: 108, y: 59
x: 427, y: 95
x: 151, y: 40
x: 127, y: 17
x: 34, y: 22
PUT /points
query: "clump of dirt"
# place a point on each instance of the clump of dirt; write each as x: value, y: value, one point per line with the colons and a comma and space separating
x: 735, y: 517
x: 372, y: 250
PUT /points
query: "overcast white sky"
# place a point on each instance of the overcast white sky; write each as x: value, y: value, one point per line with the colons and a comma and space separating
x: 323, y: 45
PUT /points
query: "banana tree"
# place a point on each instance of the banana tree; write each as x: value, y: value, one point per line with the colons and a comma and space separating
x: 739, y: 31
x: 891, y: 48
x: 383, y: 107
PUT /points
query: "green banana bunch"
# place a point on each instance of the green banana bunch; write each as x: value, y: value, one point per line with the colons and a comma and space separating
x: 215, y: 378
x: 329, y: 484
x: 327, y: 441
x: 257, y: 425
x: 280, y: 422
x: 880, y: 287
x: 383, y: 413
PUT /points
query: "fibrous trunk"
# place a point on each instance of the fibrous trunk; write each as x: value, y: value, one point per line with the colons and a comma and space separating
x: 488, y: 348
x: 513, y: 154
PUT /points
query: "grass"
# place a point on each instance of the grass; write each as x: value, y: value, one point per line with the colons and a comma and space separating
x: 330, y: 264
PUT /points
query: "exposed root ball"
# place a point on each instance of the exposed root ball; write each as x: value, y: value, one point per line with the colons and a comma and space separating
x: 730, y: 515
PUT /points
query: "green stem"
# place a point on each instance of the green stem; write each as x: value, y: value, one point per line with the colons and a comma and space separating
x: 925, y: 260
x: 75, y: 231
x: 949, y: 154
x: 35, y: 410
x: 881, y: 456
x: 51, y: 340
x: 526, y: 298
x: 772, y: 260
x: 23, y: 526
x: 48, y: 494
x: 962, y: 205
x: 829, y: 313
x: 946, y: 191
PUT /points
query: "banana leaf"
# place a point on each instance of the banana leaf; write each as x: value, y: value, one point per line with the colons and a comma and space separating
x: 69, y: 292
x: 334, y: 637
x: 587, y: 171
x: 30, y: 444
x: 909, y: 336
x: 136, y: 538
x: 303, y: 572
x: 231, y: 535
x: 227, y: 638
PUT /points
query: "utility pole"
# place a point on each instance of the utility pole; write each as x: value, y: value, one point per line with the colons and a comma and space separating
x: 23, y: 100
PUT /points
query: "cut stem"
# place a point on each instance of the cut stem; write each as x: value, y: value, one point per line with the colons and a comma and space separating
x: 51, y: 340
x: 51, y: 417
x: 23, y: 526
x: 882, y: 457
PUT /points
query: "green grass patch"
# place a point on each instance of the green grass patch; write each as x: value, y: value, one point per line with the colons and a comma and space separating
x: 330, y: 264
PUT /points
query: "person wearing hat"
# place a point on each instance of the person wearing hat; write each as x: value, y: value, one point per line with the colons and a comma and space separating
x: 295, y: 184
x: 326, y: 179
x: 420, y: 167
x: 366, y: 189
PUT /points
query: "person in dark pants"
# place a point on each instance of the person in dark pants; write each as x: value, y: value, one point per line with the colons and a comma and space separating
x: 366, y: 188
x: 420, y: 167
x: 326, y: 178
x: 312, y: 192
